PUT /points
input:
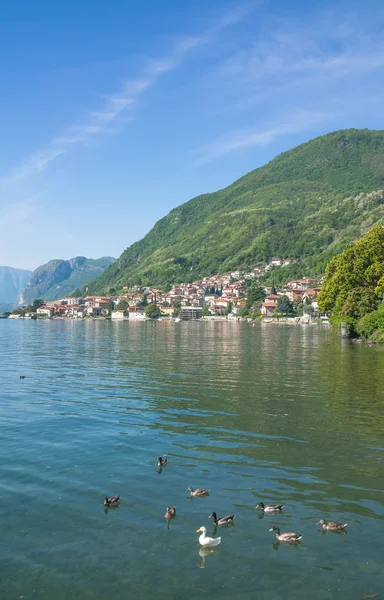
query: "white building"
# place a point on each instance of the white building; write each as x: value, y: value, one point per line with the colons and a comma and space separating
x: 118, y: 315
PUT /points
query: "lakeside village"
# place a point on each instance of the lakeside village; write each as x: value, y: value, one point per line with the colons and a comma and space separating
x: 236, y: 295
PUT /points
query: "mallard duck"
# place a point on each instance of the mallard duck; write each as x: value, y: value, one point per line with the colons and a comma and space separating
x: 222, y: 520
x: 332, y: 525
x: 205, y: 541
x: 112, y: 501
x: 289, y: 537
x: 162, y: 462
x: 270, y: 507
x: 22, y: 376
x: 170, y: 512
x: 199, y: 492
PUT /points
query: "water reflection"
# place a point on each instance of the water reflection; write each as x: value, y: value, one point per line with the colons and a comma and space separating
x: 204, y: 552
x: 282, y: 413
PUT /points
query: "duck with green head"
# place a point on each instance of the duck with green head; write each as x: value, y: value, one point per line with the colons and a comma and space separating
x: 228, y: 520
x: 112, y: 501
x: 288, y: 537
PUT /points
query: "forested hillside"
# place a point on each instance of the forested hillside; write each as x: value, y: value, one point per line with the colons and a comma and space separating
x: 307, y: 204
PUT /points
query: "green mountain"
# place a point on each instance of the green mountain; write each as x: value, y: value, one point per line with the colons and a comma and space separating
x: 305, y: 204
x: 58, y: 278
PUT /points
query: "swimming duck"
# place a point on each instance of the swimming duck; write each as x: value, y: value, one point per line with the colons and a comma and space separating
x: 199, y: 492
x: 22, y: 376
x: 332, y: 525
x: 205, y: 541
x: 222, y: 520
x: 270, y: 507
x: 170, y: 512
x: 162, y: 462
x: 289, y: 537
x: 112, y: 501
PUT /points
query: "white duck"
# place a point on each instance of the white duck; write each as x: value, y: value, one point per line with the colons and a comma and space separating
x: 205, y: 541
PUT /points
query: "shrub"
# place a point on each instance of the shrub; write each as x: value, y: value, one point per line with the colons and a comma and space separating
x: 372, y: 323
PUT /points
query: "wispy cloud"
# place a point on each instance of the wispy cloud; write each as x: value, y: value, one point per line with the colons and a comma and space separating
x: 299, y: 121
x: 98, y: 119
x: 297, y: 73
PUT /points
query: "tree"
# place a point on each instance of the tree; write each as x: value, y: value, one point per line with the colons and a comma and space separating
x: 35, y: 305
x: 285, y: 306
x: 255, y: 296
x: 298, y: 306
x: 152, y: 311
x: 122, y: 305
x: 205, y: 311
x: 354, y: 280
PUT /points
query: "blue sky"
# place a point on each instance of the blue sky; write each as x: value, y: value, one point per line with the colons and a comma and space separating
x: 111, y: 114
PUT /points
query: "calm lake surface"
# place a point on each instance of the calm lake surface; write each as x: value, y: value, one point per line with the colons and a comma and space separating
x: 271, y: 413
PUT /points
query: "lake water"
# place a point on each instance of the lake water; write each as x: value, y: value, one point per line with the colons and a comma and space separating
x: 270, y: 413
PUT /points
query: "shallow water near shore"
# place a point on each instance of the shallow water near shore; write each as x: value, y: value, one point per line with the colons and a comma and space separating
x: 285, y: 414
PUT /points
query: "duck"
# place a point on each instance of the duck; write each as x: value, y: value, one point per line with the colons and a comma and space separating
x: 112, y: 501
x: 199, y: 492
x: 205, y: 541
x: 332, y: 525
x: 22, y: 376
x: 222, y: 520
x: 170, y: 512
x: 270, y: 507
x: 162, y: 462
x: 289, y: 537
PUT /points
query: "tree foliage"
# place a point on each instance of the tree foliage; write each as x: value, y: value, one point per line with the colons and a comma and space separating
x: 255, y: 296
x: 285, y: 306
x: 371, y: 323
x: 354, y: 280
x: 152, y: 311
x: 122, y: 305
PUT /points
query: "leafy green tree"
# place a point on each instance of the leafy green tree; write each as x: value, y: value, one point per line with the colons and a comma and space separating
x: 372, y: 323
x: 205, y: 311
x: 354, y: 280
x: 122, y: 305
x: 298, y: 306
x: 35, y: 305
x: 152, y: 311
x: 255, y: 296
x: 285, y: 306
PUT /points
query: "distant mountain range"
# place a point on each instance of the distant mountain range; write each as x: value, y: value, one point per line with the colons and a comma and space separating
x: 306, y: 204
x: 58, y: 278
x: 12, y: 281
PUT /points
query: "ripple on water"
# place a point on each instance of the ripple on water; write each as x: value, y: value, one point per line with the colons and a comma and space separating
x: 273, y: 414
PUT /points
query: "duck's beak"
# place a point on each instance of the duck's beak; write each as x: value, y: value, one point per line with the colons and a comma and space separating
x: 257, y: 506
x: 197, y: 530
x: 271, y: 529
x: 210, y: 516
x: 318, y: 523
